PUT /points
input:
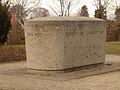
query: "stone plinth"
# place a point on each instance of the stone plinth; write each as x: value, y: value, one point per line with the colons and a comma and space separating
x: 55, y: 43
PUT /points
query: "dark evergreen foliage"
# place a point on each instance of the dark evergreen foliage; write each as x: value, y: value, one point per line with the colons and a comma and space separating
x: 101, y: 13
x: 84, y: 11
x: 5, y: 23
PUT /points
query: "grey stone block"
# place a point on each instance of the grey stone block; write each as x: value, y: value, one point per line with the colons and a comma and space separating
x: 55, y: 43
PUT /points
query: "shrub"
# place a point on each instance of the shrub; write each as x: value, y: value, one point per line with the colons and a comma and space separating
x: 10, y: 53
x: 5, y: 23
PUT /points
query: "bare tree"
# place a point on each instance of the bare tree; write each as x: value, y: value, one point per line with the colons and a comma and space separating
x: 117, y: 11
x: 105, y: 3
x: 104, y: 7
x: 117, y: 18
x: 39, y: 12
x: 19, y: 12
x: 64, y: 7
x: 24, y: 7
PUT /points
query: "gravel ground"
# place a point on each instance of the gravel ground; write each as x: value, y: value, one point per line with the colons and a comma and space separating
x: 108, y: 81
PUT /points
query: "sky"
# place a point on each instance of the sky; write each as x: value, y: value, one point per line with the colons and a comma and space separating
x: 89, y: 3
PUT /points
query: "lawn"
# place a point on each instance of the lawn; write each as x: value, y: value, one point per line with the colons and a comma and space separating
x: 113, y: 48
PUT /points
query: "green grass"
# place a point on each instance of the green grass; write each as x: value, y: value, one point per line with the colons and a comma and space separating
x: 113, y: 48
x: 15, y: 46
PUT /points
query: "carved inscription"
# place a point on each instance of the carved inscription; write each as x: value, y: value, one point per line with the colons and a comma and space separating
x: 30, y: 34
x: 36, y: 34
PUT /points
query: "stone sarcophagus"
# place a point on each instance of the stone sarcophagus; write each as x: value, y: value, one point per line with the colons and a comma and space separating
x: 56, y: 43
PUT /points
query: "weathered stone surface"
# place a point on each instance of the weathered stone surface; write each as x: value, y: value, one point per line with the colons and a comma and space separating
x: 57, y: 43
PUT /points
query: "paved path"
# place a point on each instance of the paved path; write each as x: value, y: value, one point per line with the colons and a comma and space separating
x: 108, y: 81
